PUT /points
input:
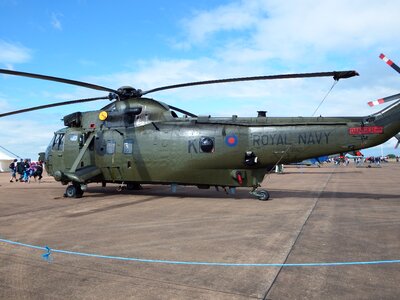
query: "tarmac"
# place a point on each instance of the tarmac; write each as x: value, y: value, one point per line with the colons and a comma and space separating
x: 220, y: 245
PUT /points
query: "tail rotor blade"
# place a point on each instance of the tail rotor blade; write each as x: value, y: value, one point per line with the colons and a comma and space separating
x: 390, y: 62
x: 384, y: 100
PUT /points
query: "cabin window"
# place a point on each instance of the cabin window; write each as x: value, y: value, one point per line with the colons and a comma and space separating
x: 58, y: 142
x: 128, y: 147
x: 110, y: 147
x: 73, y: 137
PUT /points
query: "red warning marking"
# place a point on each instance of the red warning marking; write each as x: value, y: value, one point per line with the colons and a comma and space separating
x: 376, y: 102
x: 385, y: 59
x: 366, y: 130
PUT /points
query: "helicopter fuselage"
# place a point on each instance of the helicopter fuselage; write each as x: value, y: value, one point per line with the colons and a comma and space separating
x: 142, y: 141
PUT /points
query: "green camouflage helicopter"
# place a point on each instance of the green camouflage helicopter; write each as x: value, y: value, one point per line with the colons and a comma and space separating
x: 136, y: 140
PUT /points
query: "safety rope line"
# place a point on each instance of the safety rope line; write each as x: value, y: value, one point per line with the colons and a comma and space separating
x: 278, y: 162
x: 48, y: 251
x: 10, y: 152
x: 333, y: 85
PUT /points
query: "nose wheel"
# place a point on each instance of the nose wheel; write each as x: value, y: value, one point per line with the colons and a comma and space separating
x: 73, y: 191
x: 261, y: 195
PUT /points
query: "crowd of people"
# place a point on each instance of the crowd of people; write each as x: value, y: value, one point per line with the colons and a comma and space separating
x: 25, y: 170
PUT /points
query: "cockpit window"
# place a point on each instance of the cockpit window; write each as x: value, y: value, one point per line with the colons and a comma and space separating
x: 58, y: 142
x: 73, y: 137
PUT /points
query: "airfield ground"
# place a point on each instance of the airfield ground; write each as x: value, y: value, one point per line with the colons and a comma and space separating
x: 315, y: 215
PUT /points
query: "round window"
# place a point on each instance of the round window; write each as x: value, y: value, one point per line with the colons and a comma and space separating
x: 206, y: 144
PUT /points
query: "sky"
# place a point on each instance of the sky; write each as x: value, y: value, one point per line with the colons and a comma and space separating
x: 147, y: 44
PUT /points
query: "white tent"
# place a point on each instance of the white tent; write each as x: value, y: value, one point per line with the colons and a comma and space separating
x: 5, y: 161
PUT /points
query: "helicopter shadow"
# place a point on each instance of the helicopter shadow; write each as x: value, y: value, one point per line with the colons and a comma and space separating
x: 99, y: 192
x: 163, y: 192
x: 330, y: 195
x: 111, y: 207
x: 319, y: 172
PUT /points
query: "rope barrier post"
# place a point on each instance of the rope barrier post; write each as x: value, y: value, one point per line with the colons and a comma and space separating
x: 47, y: 256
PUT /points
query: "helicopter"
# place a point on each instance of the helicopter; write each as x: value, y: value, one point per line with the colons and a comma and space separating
x: 136, y: 140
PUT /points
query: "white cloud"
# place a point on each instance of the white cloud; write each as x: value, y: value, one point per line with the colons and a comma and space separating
x: 55, y: 21
x: 233, y: 16
x: 294, y: 30
x: 13, y: 53
x: 26, y: 137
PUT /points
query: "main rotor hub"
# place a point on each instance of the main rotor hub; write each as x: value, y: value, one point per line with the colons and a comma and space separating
x: 126, y: 92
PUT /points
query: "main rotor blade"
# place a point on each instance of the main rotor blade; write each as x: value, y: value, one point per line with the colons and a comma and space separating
x: 336, y: 76
x: 182, y: 111
x: 58, y: 79
x: 384, y: 100
x: 51, y: 105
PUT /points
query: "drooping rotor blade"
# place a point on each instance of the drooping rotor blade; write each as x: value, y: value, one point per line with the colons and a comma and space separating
x: 336, y: 76
x: 384, y: 100
x: 389, y: 62
x: 58, y: 79
x: 182, y: 111
x: 51, y: 105
x: 397, y: 136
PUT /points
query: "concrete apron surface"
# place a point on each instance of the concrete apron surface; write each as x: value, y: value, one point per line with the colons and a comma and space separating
x: 315, y: 215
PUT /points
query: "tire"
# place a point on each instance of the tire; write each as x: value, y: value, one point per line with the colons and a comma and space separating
x: 70, y: 192
x: 263, y: 195
x: 73, y: 191
x: 133, y: 186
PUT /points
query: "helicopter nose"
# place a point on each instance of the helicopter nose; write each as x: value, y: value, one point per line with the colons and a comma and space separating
x: 58, y: 175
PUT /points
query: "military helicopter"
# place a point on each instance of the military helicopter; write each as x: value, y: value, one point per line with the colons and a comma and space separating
x: 136, y: 140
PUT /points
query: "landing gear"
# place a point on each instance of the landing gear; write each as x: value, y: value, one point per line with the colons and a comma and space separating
x: 74, y: 190
x: 262, y: 195
x: 133, y: 186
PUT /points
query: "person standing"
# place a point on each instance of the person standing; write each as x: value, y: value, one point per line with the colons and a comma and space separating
x: 13, y: 170
x: 20, y: 169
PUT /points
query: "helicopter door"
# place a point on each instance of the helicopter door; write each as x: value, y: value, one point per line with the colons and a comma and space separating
x: 55, y: 152
x: 72, y: 145
x: 108, y: 145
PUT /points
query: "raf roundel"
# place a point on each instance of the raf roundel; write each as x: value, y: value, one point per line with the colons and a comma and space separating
x: 231, y: 140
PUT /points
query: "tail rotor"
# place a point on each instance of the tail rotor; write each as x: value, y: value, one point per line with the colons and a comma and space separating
x: 389, y: 98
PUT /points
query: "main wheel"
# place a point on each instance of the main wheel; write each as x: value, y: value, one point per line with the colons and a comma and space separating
x: 73, y: 191
x: 263, y: 195
x: 133, y: 186
x: 70, y: 192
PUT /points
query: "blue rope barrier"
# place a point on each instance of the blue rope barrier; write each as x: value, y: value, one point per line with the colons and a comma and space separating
x: 47, y: 256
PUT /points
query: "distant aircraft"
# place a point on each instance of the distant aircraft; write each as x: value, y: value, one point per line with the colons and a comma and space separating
x: 354, y: 155
x: 313, y: 161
